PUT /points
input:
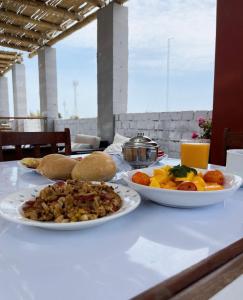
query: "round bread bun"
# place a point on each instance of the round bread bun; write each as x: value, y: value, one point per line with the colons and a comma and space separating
x: 31, y: 162
x: 59, y: 168
x: 51, y: 157
x: 97, y: 166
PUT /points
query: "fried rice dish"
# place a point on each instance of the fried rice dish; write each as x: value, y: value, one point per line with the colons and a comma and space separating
x: 72, y: 201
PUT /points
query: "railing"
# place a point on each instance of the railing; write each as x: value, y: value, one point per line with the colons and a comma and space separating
x: 8, y: 126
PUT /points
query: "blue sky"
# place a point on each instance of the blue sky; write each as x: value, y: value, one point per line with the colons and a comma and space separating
x: 190, y: 26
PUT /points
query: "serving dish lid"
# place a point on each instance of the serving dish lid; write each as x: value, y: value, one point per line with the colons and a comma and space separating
x: 140, y: 141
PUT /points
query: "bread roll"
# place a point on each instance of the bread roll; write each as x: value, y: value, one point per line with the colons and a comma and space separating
x: 97, y: 166
x: 31, y: 162
x: 57, y: 167
x: 51, y: 157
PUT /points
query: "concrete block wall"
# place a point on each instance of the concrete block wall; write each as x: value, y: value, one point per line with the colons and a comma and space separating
x: 167, y: 128
x: 32, y: 125
x: 83, y: 126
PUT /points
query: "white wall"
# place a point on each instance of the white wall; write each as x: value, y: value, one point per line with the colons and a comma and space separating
x: 165, y: 128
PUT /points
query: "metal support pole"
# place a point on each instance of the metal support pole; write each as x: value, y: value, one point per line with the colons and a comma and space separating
x: 168, y: 74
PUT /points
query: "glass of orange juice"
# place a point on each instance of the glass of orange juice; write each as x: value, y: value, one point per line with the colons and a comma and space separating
x: 195, y: 153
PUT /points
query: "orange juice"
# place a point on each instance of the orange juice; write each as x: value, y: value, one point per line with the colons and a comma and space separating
x: 195, y: 154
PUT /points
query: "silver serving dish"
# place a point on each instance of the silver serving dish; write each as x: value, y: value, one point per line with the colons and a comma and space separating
x: 140, y: 151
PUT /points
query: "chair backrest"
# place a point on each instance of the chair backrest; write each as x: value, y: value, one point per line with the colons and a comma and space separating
x: 37, y: 143
x: 232, y: 140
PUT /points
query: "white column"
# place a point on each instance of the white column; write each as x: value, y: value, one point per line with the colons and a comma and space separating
x: 112, y: 60
x: 4, y: 99
x: 48, y: 85
x: 19, y: 90
x: 19, y: 94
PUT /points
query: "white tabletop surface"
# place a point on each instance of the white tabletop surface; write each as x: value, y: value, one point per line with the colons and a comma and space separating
x: 233, y: 291
x: 117, y: 260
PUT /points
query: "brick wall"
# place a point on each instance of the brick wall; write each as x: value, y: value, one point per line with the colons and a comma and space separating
x: 166, y: 128
x: 84, y: 126
x: 32, y: 125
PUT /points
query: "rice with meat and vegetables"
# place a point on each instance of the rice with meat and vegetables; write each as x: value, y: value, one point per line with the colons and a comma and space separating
x: 72, y: 201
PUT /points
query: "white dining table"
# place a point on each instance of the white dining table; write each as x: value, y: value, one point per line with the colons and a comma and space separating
x: 116, y: 260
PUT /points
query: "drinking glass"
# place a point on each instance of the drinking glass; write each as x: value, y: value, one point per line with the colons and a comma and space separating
x: 195, y: 153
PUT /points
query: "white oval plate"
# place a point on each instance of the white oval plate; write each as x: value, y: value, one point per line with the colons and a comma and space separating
x: 10, y: 209
x: 184, y: 199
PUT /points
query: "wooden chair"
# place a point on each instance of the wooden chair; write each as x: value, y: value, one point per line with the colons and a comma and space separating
x: 33, y: 144
x: 232, y: 140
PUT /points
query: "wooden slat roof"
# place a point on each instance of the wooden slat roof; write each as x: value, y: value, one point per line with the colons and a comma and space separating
x: 28, y: 25
x: 7, y: 60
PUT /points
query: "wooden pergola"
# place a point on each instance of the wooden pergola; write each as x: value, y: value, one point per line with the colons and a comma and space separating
x: 7, y: 60
x: 34, y: 26
x: 28, y: 25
